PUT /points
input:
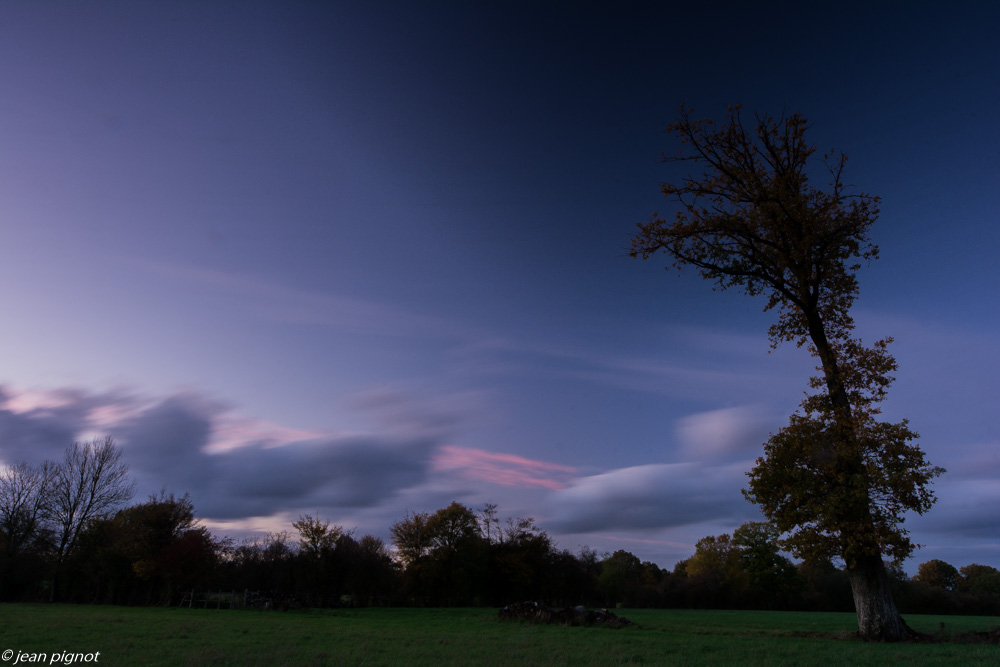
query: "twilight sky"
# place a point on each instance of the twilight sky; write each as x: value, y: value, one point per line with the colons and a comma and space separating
x: 357, y: 259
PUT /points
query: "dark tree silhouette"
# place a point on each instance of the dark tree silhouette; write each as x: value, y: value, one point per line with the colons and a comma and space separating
x: 979, y: 580
x: 835, y: 478
x: 316, y: 536
x: 937, y: 573
x: 24, y: 499
x: 769, y: 573
x: 620, y: 578
x: 145, y: 554
x: 411, y: 537
x: 91, y: 483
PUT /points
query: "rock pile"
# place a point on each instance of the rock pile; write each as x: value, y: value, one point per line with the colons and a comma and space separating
x: 535, y: 612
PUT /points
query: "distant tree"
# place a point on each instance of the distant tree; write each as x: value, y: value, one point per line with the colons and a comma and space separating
x: 444, y: 554
x: 326, y: 555
x: 716, y: 561
x: 411, y: 537
x: 275, y: 546
x: 589, y: 559
x: 767, y: 570
x: 456, y: 569
x: 519, y: 564
x: 589, y: 564
x: 979, y: 580
x: 316, y: 536
x: 457, y: 555
x: 489, y: 525
x: 373, y: 575
x: 937, y: 573
x: 24, y: 499
x: 894, y: 569
x: 568, y: 581
x: 651, y: 585
x: 90, y: 484
x: 517, y: 529
x: 144, y: 554
x: 451, y: 526
x: 711, y: 578
x: 166, y: 542
x: 825, y: 586
x: 620, y: 578
x: 836, y: 480
x: 261, y: 563
x: 374, y: 546
x: 24, y: 532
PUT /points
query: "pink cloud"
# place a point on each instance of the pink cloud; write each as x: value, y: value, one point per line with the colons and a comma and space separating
x: 100, y: 414
x: 503, y: 469
x: 233, y: 432
x: 669, y: 543
x: 94, y: 413
x: 31, y: 400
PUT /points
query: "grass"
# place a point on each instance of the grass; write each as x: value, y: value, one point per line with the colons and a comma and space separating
x: 178, y: 636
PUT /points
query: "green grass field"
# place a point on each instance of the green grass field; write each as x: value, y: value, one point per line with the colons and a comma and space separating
x: 179, y: 636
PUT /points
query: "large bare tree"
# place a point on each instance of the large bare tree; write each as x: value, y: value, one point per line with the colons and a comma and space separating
x: 91, y: 483
x: 836, y: 481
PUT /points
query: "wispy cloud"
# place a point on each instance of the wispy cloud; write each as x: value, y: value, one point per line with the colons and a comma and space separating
x: 650, y: 496
x: 502, y: 469
x: 289, y: 305
x: 728, y: 431
x: 688, y: 367
x: 234, y: 432
x: 233, y: 467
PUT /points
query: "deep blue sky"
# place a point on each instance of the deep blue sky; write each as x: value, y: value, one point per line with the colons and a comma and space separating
x: 359, y: 259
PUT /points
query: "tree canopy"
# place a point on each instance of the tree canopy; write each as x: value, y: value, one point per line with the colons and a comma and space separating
x: 156, y: 552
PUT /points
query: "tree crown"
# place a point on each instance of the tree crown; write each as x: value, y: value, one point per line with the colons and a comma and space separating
x: 752, y: 219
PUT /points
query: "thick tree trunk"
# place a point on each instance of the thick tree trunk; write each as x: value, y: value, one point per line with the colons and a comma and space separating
x: 878, y: 618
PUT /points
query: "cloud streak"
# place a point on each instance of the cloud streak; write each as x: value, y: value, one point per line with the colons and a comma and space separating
x: 232, y: 467
x: 663, y: 495
x: 692, y: 370
x: 502, y: 469
x: 279, y: 303
x: 728, y: 431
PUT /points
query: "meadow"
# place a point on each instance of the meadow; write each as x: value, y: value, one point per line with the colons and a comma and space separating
x: 454, y: 636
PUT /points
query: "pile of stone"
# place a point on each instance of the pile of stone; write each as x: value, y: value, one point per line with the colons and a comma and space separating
x: 536, y: 612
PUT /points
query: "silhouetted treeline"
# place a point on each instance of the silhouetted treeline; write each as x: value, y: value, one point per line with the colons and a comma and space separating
x: 66, y: 534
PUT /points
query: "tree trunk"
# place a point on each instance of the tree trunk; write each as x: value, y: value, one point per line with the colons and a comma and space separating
x: 878, y: 618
